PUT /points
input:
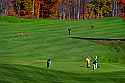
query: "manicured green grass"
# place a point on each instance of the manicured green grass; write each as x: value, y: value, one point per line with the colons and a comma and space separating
x: 38, y: 41
x: 30, y: 74
x: 26, y: 44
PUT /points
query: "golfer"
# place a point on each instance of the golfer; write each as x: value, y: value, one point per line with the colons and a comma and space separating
x: 95, y: 63
x: 69, y: 30
x: 88, y: 62
x: 48, y: 62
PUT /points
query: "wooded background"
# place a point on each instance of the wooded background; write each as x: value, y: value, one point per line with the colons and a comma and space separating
x: 62, y: 9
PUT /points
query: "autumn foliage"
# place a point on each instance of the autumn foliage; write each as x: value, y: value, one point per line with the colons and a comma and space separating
x: 122, y: 3
x: 63, y: 9
x: 36, y: 8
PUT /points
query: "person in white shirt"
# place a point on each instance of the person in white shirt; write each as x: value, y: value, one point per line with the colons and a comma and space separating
x: 95, y: 63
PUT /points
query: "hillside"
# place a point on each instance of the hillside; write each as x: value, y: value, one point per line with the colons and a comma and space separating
x: 30, y: 74
x: 26, y: 44
x: 36, y: 40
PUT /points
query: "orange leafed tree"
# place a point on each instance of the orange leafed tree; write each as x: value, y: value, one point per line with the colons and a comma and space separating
x: 54, y: 9
x: 37, y: 8
x: 122, y: 3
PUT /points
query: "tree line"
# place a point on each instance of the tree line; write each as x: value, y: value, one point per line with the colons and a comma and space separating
x: 62, y: 9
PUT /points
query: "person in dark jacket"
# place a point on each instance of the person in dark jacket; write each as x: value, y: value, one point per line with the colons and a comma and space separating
x: 69, y: 30
x: 48, y: 63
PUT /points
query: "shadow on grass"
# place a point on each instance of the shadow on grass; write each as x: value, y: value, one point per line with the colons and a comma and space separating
x: 89, y: 38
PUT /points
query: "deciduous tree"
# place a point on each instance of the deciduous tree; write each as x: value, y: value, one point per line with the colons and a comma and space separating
x: 101, y: 7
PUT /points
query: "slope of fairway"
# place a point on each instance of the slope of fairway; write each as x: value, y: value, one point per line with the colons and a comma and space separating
x: 32, y: 41
x: 30, y: 74
x: 26, y: 44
